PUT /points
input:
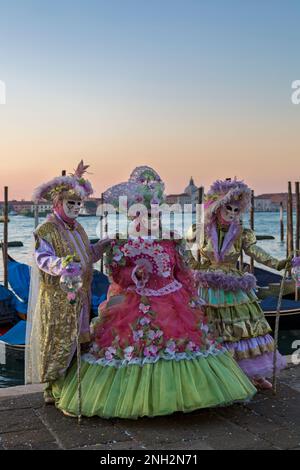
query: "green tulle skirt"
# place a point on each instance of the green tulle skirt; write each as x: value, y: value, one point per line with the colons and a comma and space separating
x: 155, y: 389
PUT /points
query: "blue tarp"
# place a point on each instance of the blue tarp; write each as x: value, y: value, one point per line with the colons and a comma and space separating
x: 5, y: 294
x: 16, y: 335
x: 19, y: 279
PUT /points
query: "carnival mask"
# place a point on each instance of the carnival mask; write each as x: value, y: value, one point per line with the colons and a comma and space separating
x: 72, y: 207
x: 230, y: 212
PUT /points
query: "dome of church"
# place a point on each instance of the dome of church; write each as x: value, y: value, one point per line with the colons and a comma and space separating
x: 191, y: 188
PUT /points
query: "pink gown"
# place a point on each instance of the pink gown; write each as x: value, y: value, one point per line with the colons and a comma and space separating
x: 152, y: 353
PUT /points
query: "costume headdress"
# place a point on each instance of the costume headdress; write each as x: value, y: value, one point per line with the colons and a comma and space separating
x: 224, y: 192
x: 143, y: 187
x: 72, y: 186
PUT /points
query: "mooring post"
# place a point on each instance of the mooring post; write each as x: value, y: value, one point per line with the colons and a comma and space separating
x: 101, y: 232
x: 252, y: 228
x: 198, y: 222
x: 297, y: 217
x: 290, y: 237
x: 281, y: 222
x: 297, y: 241
x: 36, y: 214
x: 5, y: 236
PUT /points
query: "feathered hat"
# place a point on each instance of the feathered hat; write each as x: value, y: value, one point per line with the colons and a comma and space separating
x: 143, y: 187
x: 73, y: 186
x: 224, y: 192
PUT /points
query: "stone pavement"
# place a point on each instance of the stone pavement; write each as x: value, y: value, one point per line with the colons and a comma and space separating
x: 267, y: 422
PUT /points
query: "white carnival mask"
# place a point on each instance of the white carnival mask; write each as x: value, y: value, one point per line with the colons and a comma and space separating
x: 230, y: 212
x: 72, y: 207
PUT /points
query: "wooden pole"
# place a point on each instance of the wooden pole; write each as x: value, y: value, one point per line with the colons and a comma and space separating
x: 198, y: 222
x: 297, y: 242
x: 252, y: 228
x: 36, y: 214
x: 276, y: 331
x: 290, y: 237
x: 101, y: 233
x: 297, y: 216
x: 5, y: 236
x: 281, y: 223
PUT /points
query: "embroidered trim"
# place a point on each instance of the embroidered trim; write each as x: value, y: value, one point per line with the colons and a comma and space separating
x: 165, y: 290
x: 144, y: 251
x: 212, y: 351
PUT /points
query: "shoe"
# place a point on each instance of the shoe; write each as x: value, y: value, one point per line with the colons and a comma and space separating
x: 70, y: 415
x: 262, y: 384
x: 48, y: 398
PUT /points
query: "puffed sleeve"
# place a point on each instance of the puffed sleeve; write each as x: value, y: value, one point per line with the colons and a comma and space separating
x: 261, y: 256
x: 46, y: 258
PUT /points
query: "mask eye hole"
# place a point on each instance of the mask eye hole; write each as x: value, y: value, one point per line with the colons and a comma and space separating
x: 74, y: 203
x: 236, y: 210
x: 229, y: 208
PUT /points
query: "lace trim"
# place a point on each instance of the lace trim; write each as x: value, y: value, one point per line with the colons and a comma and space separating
x: 168, y: 289
x: 212, y: 351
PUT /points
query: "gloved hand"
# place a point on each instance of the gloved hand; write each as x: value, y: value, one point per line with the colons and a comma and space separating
x: 284, y: 263
x: 72, y: 268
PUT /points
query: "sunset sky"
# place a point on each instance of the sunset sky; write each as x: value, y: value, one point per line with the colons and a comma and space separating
x: 190, y: 87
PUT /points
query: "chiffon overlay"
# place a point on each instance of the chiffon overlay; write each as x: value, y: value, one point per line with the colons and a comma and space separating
x: 152, y: 353
x: 231, y: 303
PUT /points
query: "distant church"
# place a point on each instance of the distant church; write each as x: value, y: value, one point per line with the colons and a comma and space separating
x: 189, y: 196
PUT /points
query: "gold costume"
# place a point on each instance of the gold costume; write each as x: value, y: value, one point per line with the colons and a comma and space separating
x: 57, y: 317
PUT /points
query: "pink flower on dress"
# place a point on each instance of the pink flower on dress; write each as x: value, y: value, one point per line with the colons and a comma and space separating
x: 158, y: 334
x: 171, y: 347
x: 150, y: 351
x: 147, y: 352
x: 144, y: 308
x: 109, y: 353
x: 137, y: 335
x: 118, y: 255
x: 128, y: 353
x: 191, y: 346
x: 151, y: 334
x: 144, y: 321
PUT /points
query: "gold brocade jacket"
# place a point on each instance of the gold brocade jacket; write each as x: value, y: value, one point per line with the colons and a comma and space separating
x: 58, y: 318
x: 245, y: 242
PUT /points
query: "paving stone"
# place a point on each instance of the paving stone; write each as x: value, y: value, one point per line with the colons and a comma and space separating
x: 36, y: 400
x: 207, y: 427
x: 283, y: 438
x: 157, y: 430
x: 19, y: 420
x: 197, y: 444
x: 70, y: 434
x: 30, y: 439
x: 37, y: 446
x: 250, y: 420
x: 126, y: 445
x: 14, y: 403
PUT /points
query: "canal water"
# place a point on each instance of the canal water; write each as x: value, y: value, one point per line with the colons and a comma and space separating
x: 21, y: 228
